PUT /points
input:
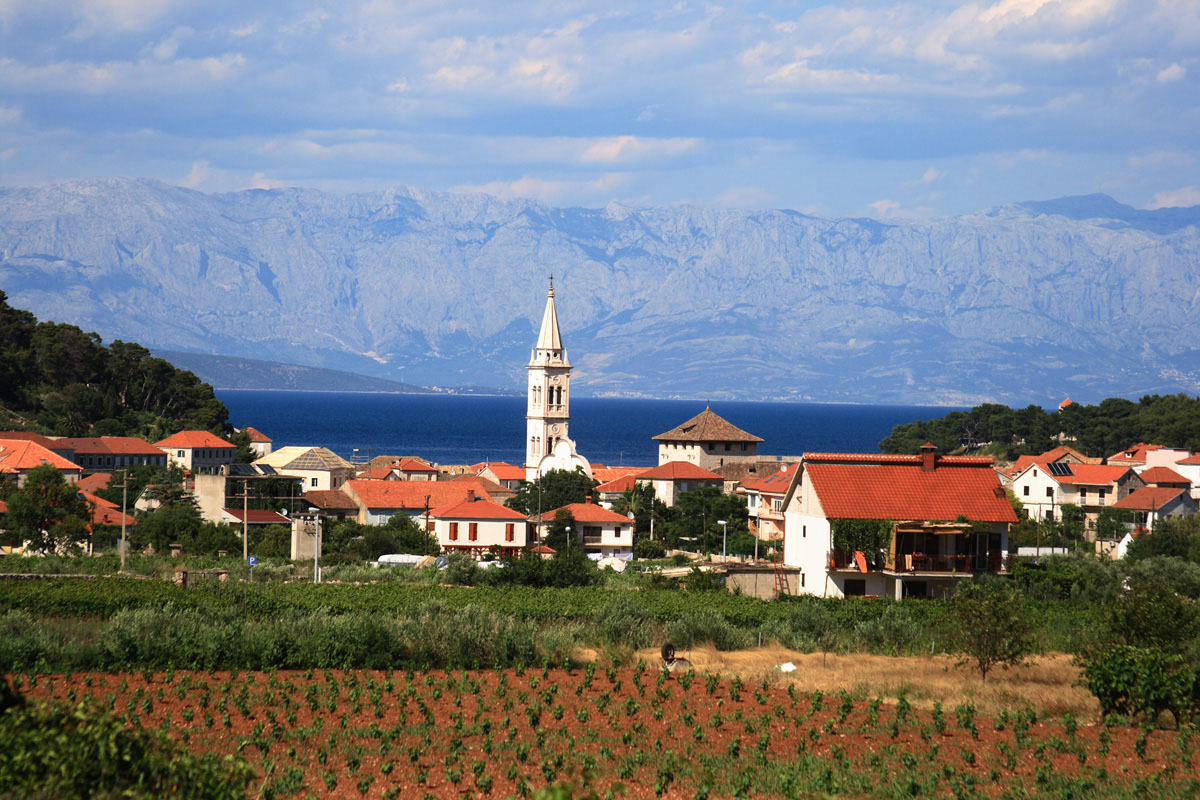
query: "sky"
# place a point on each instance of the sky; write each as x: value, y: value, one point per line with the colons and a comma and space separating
x: 882, y: 109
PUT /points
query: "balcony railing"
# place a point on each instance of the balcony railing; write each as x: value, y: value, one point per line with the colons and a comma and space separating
x: 920, y: 562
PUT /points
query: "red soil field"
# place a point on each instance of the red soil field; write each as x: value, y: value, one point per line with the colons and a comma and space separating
x: 636, y: 733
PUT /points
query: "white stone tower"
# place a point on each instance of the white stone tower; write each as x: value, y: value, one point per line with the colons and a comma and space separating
x: 548, y: 412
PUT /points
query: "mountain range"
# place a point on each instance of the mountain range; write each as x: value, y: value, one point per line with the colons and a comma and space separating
x: 1024, y: 303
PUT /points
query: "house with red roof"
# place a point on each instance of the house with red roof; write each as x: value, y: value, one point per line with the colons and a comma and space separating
x: 1190, y: 468
x: 105, y: 512
x: 18, y: 456
x: 198, y: 452
x: 601, y: 532
x: 414, y: 469
x: 1149, y: 504
x: 1045, y: 487
x: 260, y: 443
x: 764, y: 500
x: 507, y: 475
x: 1143, y: 455
x: 676, y: 477
x: 106, y: 453
x: 915, y: 504
x: 611, y: 491
x: 378, y: 501
x: 474, y: 525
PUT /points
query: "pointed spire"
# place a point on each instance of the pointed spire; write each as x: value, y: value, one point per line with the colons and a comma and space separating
x: 549, y: 338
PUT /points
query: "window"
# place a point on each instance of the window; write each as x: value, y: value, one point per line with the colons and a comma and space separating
x: 1049, y: 491
x: 855, y: 587
x: 743, y: 447
x: 728, y: 447
x: 509, y: 528
x: 1025, y: 491
x: 801, y: 580
x: 1083, y: 493
x: 777, y: 504
x: 313, y: 481
x: 473, y: 532
x: 454, y: 531
x: 803, y: 532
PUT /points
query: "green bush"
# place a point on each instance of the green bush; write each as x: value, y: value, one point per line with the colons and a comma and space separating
x: 83, y: 751
x: 649, y: 549
x: 706, y: 625
x: 1135, y: 681
x: 623, y: 621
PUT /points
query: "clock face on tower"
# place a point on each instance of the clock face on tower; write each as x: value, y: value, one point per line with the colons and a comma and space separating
x: 555, y: 429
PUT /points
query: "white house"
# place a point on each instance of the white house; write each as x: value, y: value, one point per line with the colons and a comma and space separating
x: 1043, y: 488
x: 602, y: 533
x: 198, y: 451
x: 475, y: 525
x: 914, y: 504
x: 676, y: 477
x: 319, y: 467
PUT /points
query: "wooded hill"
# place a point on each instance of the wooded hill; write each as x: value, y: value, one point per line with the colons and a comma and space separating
x: 1098, y: 430
x: 60, y: 380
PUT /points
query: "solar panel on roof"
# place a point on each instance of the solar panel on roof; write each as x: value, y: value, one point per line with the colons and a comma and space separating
x: 242, y: 469
x: 267, y: 469
x: 1059, y: 468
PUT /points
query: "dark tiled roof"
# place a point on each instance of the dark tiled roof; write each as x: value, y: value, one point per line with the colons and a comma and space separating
x: 707, y: 427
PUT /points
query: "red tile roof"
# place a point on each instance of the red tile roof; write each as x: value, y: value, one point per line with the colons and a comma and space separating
x: 1135, y: 452
x: 329, y: 500
x: 504, y: 471
x: 256, y: 435
x: 18, y: 455
x: 707, y: 427
x: 1092, y: 474
x: 190, y: 440
x: 413, y: 465
x: 478, y: 508
x: 679, y: 471
x: 411, y: 495
x: 376, y: 473
x: 1190, y: 460
x: 104, y: 512
x: 3, y: 507
x: 606, y: 474
x: 99, y: 502
x: 1148, y: 498
x: 1162, y: 475
x: 94, y: 482
x: 589, y: 512
x: 257, y: 516
x: 863, y: 486
x: 623, y: 484
x: 489, y: 486
x: 30, y: 436
x: 1067, y: 402
x: 110, y: 446
x: 775, y: 483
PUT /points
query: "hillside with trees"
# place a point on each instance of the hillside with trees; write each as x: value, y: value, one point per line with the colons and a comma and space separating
x: 1096, y: 430
x: 60, y: 380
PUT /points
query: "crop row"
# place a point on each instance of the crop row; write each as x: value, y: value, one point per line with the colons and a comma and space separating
x: 632, y: 732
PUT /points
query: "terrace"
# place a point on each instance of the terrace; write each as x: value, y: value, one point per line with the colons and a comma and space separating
x: 930, y: 548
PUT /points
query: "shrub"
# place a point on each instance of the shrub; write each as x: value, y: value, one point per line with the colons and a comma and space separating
x: 994, y: 629
x: 706, y: 625
x: 1139, y: 681
x: 58, y: 751
x: 649, y: 549
x: 623, y: 621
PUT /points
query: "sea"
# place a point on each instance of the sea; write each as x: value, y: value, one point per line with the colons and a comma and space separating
x: 466, y: 429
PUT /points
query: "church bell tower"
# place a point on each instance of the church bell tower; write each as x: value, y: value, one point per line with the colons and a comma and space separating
x: 547, y: 413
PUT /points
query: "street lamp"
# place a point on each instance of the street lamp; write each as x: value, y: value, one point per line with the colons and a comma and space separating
x: 724, y: 538
x: 568, y: 538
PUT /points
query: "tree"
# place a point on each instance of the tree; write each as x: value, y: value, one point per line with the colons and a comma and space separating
x: 555, y: 489
x: 409, y: 537
x: 1178, y: 537
x: 993, y: 627
x: 1112, y: 523
x: 47, y: 512
x: 174, y: 523
x: 245, y: 453
x: 694, y: 521
x: 649, y: 513
x: 563, y: 532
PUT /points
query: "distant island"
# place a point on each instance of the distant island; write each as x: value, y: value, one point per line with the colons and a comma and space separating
x: 229, y: 372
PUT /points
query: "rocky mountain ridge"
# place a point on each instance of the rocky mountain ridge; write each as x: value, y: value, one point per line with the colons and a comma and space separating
x: 1023, y: 303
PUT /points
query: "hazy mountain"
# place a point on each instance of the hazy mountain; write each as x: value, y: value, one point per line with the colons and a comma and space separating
x: 1026, y: 303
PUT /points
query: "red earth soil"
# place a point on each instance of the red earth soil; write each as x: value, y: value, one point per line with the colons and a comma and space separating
x: 442, y: 734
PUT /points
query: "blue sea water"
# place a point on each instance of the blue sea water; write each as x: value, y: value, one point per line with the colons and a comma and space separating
x: 464, y: 429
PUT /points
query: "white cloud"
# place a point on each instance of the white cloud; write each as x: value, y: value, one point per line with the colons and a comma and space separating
x: 1171, y: 74
x: 1177, y: 198
x: 626, y: 149
x: 1162, y: 158
x: 884, y: 207
x: 9, y: 114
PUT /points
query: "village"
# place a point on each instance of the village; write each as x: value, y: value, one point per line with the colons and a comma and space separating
x: 826, y: 524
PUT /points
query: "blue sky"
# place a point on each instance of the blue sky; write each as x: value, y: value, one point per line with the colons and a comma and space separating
x: 871, y: 108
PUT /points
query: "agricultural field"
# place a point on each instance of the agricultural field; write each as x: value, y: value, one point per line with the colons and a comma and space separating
x: 633, y: 732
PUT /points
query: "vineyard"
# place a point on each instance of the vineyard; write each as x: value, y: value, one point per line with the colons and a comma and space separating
x: 624, y: 732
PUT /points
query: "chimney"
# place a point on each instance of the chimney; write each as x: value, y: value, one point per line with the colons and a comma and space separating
x: 928, y: 457
x: 470, y: 495
x: 589, y: 500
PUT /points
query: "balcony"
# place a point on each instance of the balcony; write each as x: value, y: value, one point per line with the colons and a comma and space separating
x: 948, y: 564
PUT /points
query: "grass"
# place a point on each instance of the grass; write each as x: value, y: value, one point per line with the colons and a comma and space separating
x: 1046, y: 683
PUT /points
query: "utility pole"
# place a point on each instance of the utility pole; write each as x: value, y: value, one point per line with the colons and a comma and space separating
x: 124, y: 503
